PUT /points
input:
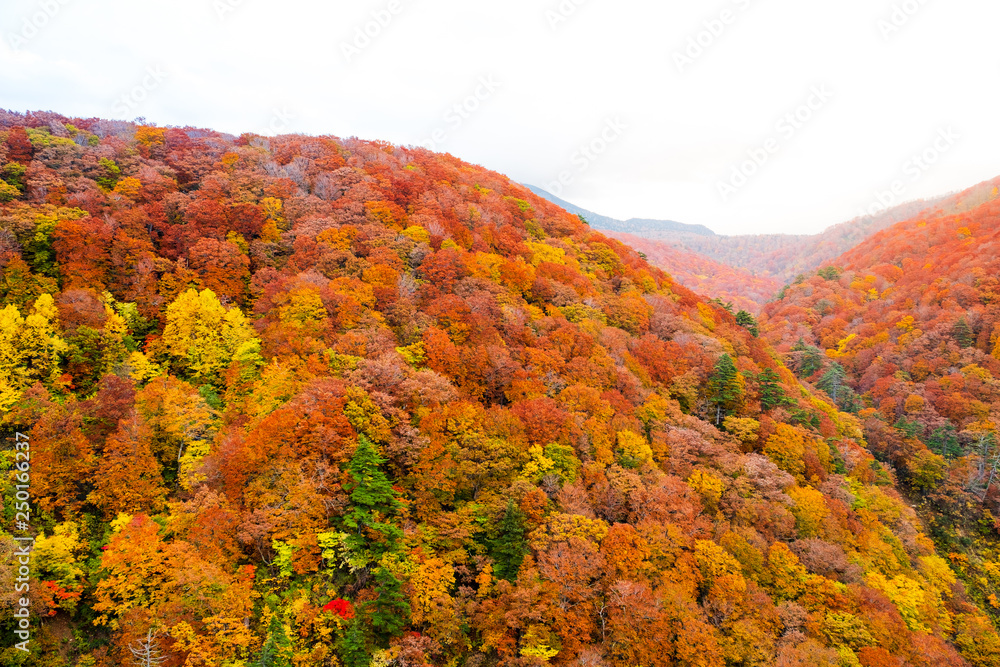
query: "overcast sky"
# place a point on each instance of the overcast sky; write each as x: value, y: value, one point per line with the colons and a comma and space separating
x: 682, y: 107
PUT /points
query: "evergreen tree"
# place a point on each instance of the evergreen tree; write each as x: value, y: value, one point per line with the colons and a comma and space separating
x: 747, y: 321
x: 725, y: 391
x: 848, y: 400
x: 277, y: 650
x: 772, y: 394
x: 963, y: 334
x: 509, y: 548
x: 944, y: 441
x: 832, y: 381
x: 727, y: 306
x: 809, y: 358
x: 353, y: 652
x: 829, y: 273
x: 911, y: 429
x: 373, y: 504
x: 390, y: 611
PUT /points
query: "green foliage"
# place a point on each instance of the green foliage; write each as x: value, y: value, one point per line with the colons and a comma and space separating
x: 727, y: 306
x: 8, y: 192
x: 772, y: 394
x: 373, y: 504
x: 509, y: 547
x: 809, y: 359
x: 748, y: 322
x: 211, y: 396
x: 832, y: 381
x: 353, y: 651
x: 111, y: 173
x: 829, y: 273
x: 277, y: 650
x: 725, y: 389
x: 911, y: 429
x: 13, y: 174
x: 389, y: 612
x: 944, y: 441
x: 963, y: 334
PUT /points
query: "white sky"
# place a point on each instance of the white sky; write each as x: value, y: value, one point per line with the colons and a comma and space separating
x: 232, y: 64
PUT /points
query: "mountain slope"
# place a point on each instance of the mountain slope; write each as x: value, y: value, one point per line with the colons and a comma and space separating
x: 320, y: 401
x: 909, y: 321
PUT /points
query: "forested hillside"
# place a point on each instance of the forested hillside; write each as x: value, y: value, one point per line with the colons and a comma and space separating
x: 315, y: 401
x: 904, y: 331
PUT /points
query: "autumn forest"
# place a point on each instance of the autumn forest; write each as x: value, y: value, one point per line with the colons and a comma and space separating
x: 318, y: 402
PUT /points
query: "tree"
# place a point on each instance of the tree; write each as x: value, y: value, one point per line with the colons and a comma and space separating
x: 373, y: 505
x: 944, y: 441
x: 509, y: 547
x: 808, y: 358
x: 748, y: 322
x: 29, y: 348
x: 146, y: 652
x: 786, y: 448
x: 389, y: 612
x: 201, y: 336
x: 963, y: 334
x: 353, y: 651
x: 832, y: 381
x: 19, y: 148
x: 829, y: 273
x: 128, y: 477
x: 725, y: 388
x: 277, y: 650
x: 772, y: 394
x: 221, y: 267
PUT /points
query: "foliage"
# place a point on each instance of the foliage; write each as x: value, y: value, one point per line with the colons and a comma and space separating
x: 312, y: 401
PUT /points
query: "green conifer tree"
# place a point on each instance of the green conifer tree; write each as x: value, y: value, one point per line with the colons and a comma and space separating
x: 373, y: 505
x: 963, y: 334
x: 353, y: 651
x: 390, y: 611
x: 748, y: 322
x: 725, y: 391
x: 772, y: 394
x: 277, y: 650
x: 509, y: 548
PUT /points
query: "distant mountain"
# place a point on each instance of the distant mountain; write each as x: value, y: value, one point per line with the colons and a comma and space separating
x: 781, y: 257
x: 638, y: 226
x: 745, y: 290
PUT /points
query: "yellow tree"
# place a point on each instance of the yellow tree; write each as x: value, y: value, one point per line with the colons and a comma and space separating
x: 202, y: 336
x: 29, y: 348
